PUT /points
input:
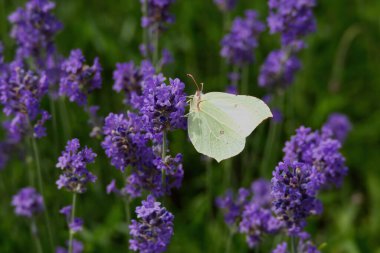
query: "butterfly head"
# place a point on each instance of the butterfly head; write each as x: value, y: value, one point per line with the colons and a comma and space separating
x: 197, y: 97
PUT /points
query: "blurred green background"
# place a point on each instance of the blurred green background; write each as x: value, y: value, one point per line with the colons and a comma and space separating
x: 340, y: 73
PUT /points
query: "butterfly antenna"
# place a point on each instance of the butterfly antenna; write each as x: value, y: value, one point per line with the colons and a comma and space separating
x: 196, y: 84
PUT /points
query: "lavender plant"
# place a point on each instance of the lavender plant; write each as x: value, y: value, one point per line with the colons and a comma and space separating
x: 153, y: 229
x: 74, y: 178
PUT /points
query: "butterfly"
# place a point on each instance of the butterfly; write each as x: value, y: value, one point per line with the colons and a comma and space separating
x: 218, y: 123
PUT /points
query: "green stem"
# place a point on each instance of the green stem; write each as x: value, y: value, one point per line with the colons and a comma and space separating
x: 38, y: 166
x: 163, y: 155
x: 55, y: 124
x: 65, y: 118
x: 209, y: 184
x: 41, y: 189
x: 268, y: 147
x: 36, y: 238
x: 229, y: 241
x: 71, y: 236
x: 244, y: 80
x: 156, y: 35
x: 128, y: 217
x: 293, y: 244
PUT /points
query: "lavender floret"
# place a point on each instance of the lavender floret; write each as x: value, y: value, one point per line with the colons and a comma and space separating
x: 79, y: 79
x: 28, y: 202
x: 73, y: 162
x: 153, y: 229
x: 238, y: 45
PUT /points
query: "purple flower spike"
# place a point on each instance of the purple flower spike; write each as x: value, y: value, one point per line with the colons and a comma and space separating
x: 257, y: 221
x: 292, y: 18
x: 281, y: 248
x: 34, y: 28
x: 226, y: 5
x: 278, y: 70
x: 157, y: 14
x: 233, y: 207
x: 238, y: 45
x: 77, y: 247
x: 164, y: 105
x: 73, y: 162
x: 339, y: 125
x: 78, y: 79
x: 153, y: 229
x: 293, y: 191
x: 130, y: 79
x: 320, y: 152
x: 28, y: 202
x: 20, y: 94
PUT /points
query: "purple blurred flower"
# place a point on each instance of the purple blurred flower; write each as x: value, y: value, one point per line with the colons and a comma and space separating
x: 293, y: 192
x: 34, y: 28
x: 129, y: 79
x: 238, y: 45
x: 257, y: 221
x: 153, y: 229
x: 28, y: 202
x: 306, y: 247
x: 226, y: 5
x: 157, y: 14
x: 232, y: 89
x: 281, y: 248
x: 278, y: 69
x: 261, y: 190
x: 339, y: 125
x: 77, y: 247
x: 78, y: 79
x: 73, y: 164
x: 292, y: 18
x: 95, y: 121
x: 233, y: 206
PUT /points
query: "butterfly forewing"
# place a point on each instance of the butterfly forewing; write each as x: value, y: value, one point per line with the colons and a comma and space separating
x: 213, y: 138
x: 243, y: 113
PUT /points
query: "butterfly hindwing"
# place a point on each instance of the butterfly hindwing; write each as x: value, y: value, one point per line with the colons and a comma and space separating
x: 212, y: 137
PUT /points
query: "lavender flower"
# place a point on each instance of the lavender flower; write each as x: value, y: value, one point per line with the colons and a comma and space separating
x: 20, y: 94
x: 293, y: 192
x: 28, y: 202
x: 73, y: 162
x: 127, y: 143
x: 78, y: 79
x: 95, y: 121
x: 238, y: 45
x: 233, y: 207
x: 129, y: 78
x: 34, y: 28
x: 320, y: 152
x: 339, y: 125
x: 156, y: 15
x: 292, y: 18
x: 256, y: 221
x: 164, y: 105
x: 153, y: 229
x: 77, y: 247
x: 281, y: 248
x: 329, y: 162
x: 306, y: 247
x: 278, y: 69
x: 75, y: 224
x: 226, y: 5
